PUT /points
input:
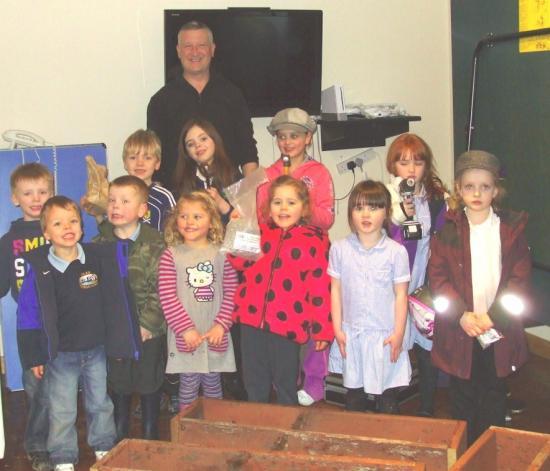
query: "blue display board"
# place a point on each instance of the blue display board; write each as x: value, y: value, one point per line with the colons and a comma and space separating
x: 68, y: 166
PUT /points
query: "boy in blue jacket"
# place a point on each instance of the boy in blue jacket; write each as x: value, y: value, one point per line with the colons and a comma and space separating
x: 65, y: 330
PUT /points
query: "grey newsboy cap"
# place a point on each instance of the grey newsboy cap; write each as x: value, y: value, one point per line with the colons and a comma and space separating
x: 477, y: 159
x: 292, y: 118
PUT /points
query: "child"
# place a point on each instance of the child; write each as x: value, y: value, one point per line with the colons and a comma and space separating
x: 62, y: 324
x: 203, y: 163
x: 31, y: 186
x: 196, y: 289
x: 284, y: 297
x: 478, y: 261
x: 140, y: 246
x: 294, y: 129
x: 410, y: 157
x: 141, y: 156
x: 370, y: 274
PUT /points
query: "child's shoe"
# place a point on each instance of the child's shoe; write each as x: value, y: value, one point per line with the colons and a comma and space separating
x: 40, y: 460
x: 304, y: 399
x: 64, y: 467
x: 100, y: 454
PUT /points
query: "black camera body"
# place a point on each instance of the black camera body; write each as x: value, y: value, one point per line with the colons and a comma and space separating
x: 412, y: 230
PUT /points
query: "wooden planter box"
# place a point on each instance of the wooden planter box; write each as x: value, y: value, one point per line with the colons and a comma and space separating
x: 145, y: 455
x: 268, y: 427
x: 513, y: 450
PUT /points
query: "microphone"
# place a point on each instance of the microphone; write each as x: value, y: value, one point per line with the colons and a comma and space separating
x: 406, y: 189
x: 286, y: 164
x: 412, y: 230
x: 207, y: 180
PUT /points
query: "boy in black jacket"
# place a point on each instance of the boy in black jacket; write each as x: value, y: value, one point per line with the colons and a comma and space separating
x: 31, y: 185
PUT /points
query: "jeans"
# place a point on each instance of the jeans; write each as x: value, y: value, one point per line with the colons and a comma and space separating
x: 64, y: 373
x: 36, y: 431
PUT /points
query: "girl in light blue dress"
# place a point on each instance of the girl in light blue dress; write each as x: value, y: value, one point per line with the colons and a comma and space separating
x: 370, y: 275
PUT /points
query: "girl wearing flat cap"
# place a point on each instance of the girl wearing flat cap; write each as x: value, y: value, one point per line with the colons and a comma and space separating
x: 479, y: 271
x: 293, y: 130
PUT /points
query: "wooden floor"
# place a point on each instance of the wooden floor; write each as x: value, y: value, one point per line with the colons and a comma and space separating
x: 531, y: 384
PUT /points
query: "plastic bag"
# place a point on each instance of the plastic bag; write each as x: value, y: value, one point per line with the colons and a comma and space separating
x: 242, y: 235
x: 422, y: 311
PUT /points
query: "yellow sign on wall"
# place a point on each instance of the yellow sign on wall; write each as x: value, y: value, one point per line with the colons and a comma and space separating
x: 534, y: 14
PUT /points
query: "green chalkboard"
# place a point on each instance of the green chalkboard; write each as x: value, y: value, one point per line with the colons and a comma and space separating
x: 512, y: 118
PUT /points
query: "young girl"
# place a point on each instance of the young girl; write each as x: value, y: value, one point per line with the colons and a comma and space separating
x: 294, y: 128
x: 203, y: 163
x: 284, y: 298
x: 370, y: 274
x: 196, y: 290
x: 410, y: 157
x: 479, y: 269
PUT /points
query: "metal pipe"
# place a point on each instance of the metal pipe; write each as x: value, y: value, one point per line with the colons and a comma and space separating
x: 488, y: 41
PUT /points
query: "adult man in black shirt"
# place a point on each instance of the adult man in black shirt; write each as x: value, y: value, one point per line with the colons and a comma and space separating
x: 200, y: 91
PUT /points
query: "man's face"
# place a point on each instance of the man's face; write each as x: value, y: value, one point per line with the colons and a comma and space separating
x: 195, y: 51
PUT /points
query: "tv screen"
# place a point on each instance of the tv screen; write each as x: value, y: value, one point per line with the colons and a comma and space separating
x: 273, y: 56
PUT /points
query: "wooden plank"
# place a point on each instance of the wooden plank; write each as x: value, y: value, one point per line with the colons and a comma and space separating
x: 146, y: 455
x: 261, y: 427
x: 500, y: 448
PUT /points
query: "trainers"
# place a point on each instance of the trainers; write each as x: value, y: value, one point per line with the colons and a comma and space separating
x: 39, y: 461
x: 64, y: 467
x: 100, y: 454
x: 304, y: 399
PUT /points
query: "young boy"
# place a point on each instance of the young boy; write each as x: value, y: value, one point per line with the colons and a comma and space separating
x: 142, y: 246
x: 141, y: 156
x: 31, y: 185
x: 65, y: 328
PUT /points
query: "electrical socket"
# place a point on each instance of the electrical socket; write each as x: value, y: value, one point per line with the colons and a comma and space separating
x: 359, y: 159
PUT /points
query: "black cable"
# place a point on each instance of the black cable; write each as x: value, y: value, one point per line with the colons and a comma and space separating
x: 352, y: 168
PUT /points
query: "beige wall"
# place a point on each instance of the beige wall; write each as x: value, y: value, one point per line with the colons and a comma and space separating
x: 82, y: 72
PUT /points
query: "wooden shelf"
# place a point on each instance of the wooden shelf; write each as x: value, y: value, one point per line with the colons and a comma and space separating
x: 355, y: 133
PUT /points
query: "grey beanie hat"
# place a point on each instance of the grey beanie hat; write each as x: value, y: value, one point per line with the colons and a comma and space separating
x: 292, y: 118
x: 477, y: 159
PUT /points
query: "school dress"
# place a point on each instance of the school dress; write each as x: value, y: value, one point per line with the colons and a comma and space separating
x: 201, y: 276
x: 367, y: 278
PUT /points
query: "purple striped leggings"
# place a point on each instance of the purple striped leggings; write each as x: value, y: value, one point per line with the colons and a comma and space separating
x: 190, y: 384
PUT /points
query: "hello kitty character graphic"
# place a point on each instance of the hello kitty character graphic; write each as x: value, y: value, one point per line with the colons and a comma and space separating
x: 201, y: 277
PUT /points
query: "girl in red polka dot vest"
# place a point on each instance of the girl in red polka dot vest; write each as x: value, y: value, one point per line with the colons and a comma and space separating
x: 284, y: 298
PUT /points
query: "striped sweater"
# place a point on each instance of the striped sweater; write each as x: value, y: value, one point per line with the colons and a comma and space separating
x: 180, y: 315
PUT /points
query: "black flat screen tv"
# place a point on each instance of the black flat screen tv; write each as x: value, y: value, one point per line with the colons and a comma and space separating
x: 273, y: 56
